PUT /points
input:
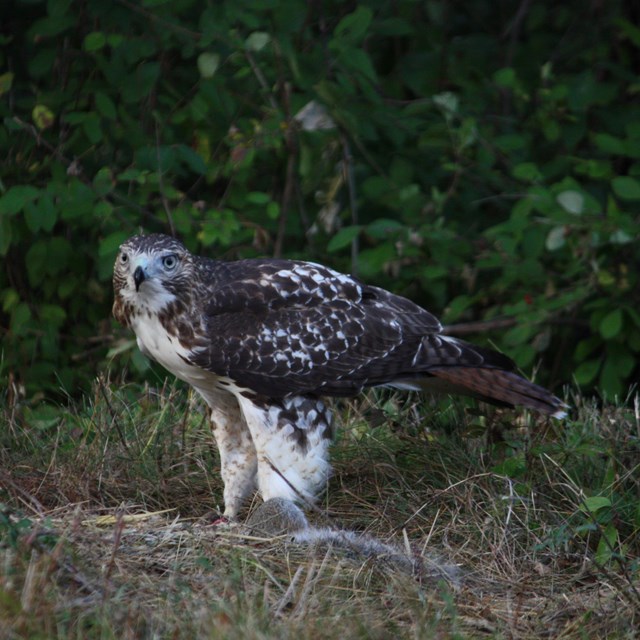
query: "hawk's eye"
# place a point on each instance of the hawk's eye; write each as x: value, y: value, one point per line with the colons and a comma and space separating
x: 169, y: 262
x: 124, y: 258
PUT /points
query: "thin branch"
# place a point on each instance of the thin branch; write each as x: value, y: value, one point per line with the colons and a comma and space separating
x: 113, y: 414
x: 6, y: 480
x: 514, y: 30
x: 262, y: 80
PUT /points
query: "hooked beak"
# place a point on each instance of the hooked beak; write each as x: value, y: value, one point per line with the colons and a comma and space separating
x: 139, y: 276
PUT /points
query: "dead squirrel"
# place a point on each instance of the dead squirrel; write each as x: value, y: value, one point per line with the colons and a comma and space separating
x: 281, y: 517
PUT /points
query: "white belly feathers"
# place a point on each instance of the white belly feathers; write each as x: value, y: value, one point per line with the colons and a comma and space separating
x: 154, y: 341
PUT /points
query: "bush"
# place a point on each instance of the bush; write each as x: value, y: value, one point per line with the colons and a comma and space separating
x: 481, y: 159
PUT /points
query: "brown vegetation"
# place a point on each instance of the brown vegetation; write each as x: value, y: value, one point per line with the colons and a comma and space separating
x: 110, y: 537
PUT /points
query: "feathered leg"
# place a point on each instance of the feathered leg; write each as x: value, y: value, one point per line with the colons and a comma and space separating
x: 292, y: 446
x: 238, y: 460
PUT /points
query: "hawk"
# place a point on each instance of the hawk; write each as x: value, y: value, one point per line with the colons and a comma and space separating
x: 264, y: 340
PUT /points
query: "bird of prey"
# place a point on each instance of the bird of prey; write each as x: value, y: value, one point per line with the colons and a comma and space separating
x: 264, y: 340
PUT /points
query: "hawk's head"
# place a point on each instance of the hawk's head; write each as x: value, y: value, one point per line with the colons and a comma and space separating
x: 151, y: 273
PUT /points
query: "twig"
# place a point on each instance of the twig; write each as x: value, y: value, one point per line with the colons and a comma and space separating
x: 114, y: 417
x: 288, y: 594
x: 514, y: 30
x: 261, y: 80
x: 117, y: 537
x: 7, y: 481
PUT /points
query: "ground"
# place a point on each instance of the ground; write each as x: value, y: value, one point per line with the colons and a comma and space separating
x: 106, y: 509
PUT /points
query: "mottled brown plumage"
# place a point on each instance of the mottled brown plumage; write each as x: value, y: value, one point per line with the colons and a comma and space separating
x: 263, y: 340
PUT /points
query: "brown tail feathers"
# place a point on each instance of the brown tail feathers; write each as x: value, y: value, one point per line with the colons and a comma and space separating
x: 501, y: 386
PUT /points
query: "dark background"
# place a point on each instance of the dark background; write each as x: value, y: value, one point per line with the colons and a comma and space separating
x: 480, y: 158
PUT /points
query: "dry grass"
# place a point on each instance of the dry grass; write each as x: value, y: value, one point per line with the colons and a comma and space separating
x: 86, y: 550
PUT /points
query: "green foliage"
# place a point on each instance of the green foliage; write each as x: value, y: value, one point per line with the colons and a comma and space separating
x: 588, y: 472
x: 12, y: 528
x: 482, y: 162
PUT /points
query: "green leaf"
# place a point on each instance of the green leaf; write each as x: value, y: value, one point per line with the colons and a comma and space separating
x: 630, y: 30
x: 505, y: 77
x: 191, y: 158
x: 611, y: 324
x: 208, y: 64
x: 10, y: 300
x: 31, y: 217
x: 594, y: 503
x: 586, y: 372
x: 105, y: 105
x: 354, y: 26
x: 359, y: 61
x: 91, y: 126
x: 43, y: 417
x: 52, y: 315
x: 110, y: 245
x: 140, y: 362
x: 42, y: 116
x: 383, y: 228
x: 607, y: 544
x: 103, y: 182
x: 372, y: 261
x: 47, y: 212
x: 343, y: 238
x: 448, y: 102
x: 620, y: 237
x: 257, y: 40
x: 16, y: 198
x: 19, y: 318
x: 94, y: 41
x: 555, y: 238
x: 527, y: 171
x: 6, y: 80
x: 102, y: 210
x: 609, y: 144
x: 51, y: 26
x: 513, y: 467
x: 571, y: 201
x: 519, y: 334
x: 273, y: 210
x: 626, y: 187
x: 258, y: 197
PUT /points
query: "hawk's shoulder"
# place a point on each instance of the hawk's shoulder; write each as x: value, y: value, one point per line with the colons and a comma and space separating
x: 264, y: 285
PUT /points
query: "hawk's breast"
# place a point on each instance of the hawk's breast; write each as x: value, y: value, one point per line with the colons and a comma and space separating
x: 156, y: 342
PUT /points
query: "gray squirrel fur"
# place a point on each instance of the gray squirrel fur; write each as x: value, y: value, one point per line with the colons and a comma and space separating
x: 282, y: 517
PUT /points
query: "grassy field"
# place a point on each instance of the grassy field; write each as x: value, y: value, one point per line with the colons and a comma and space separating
x: 105, y: 512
